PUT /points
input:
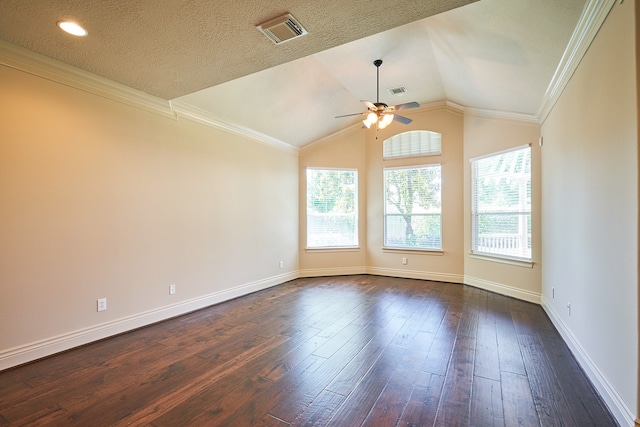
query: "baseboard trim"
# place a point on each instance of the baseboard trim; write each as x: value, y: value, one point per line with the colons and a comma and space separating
x: 47, y: 347
x: 503, y: 289
x: 614, y: 401
x: 415, y: 274
x: 338, y: 271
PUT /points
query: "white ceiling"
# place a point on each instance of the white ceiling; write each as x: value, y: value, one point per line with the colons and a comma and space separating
x: 492, y: 54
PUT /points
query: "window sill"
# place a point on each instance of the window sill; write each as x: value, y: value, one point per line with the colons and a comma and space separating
x: 502, y: 259
x: 412, y: 251
x: 336, y: 249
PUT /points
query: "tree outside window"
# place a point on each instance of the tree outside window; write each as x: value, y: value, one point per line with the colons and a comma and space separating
x: 413, y: 208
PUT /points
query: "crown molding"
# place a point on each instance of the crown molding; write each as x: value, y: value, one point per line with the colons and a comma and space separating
x: 593, y: 16
x: 444, y: 104
x: 199, y: 115
x: 589, y: 23
x: 42, y: 66
x: 449, y: 106
x: 521, y: 118
x: 33, y: 63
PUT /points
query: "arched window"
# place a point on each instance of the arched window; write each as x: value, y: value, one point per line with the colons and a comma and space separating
x: 413, y: 144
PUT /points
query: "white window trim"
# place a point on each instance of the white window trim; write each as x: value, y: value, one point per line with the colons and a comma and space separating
x: 411, y: 153
x: 384, y: 214
x: 500, y: 258
x: 497, y: 153
x: 392, y: 249
x: 346, y: 248
x: 334, y: 249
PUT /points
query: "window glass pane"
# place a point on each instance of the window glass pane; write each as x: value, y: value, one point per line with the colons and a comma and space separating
x: 412, y: 143
x: 501, y: 204
x: 332, y: 214
x: 413, y: 208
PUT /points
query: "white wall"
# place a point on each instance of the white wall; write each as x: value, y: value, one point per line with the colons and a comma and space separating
x: 101, y: 199
x: 590, y: 213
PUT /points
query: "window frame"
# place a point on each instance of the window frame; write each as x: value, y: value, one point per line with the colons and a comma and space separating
x: 356, y: 214
x: 385, y: 245
x: 474, y: 237
x: 410, y: 144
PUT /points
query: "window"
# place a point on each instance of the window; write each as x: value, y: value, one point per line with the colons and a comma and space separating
x: 501, y: 204
x: 412, y: 211
x: 332, y: 208
x: 411, y: 144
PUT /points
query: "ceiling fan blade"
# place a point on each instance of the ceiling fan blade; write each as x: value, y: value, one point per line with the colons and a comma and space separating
x: 347, y: 115
x: 402, y: 119
x: 406, y: 106
x: 369, y: 105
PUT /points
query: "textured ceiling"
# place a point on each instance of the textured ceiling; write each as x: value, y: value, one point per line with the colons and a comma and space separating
x: 170, y: 48
x: 491, y: 54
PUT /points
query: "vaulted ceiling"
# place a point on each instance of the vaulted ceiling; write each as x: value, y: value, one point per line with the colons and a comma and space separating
x: 491, y: 54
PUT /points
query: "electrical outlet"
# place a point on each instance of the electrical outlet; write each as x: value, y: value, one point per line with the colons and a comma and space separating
x: 172, y: 289
x: 569, y: 308
x: 404, y: 261
x: 281, y: 264
x: 553, y: 292
x: 102, y: 304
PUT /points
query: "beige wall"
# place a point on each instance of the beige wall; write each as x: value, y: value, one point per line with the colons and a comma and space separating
x: 101, y: 199
x: 346, y: 150
x: 483, y: 136
x: 590, y: 212
x: 463, y: 137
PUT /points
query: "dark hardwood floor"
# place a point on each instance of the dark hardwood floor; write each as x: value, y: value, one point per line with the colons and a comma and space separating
x: 340, y: 351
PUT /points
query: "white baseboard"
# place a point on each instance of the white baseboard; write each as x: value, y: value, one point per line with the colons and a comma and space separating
x: 415, y: 274
x: 614, y: 401
x: 36, y: 350
x: 338, y: 271
x: 503, y: 289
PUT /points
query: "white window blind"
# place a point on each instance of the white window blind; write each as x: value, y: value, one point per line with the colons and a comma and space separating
x: 412, y: 213
x: 332, y: 208
x: 501, y: 204
x: 412, y: 144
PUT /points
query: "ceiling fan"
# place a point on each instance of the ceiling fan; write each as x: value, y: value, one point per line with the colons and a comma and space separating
x: 379, y: 112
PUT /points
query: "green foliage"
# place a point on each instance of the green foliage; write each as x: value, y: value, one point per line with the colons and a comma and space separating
x: 331, y: 191
x: 413, y: 194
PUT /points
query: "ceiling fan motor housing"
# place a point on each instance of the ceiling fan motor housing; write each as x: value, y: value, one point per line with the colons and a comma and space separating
x: 379, y: 112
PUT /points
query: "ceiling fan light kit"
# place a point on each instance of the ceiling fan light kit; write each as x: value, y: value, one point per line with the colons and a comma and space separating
x: 380, y: 113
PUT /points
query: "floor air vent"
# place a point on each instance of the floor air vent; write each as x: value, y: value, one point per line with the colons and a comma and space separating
x: 282, y: 29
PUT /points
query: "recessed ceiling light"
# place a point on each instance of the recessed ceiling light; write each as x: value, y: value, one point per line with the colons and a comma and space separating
x: 72, y: 28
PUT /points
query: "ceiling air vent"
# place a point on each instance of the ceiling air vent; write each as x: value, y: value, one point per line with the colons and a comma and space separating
x: 282, y: 29
x: 401, y: 90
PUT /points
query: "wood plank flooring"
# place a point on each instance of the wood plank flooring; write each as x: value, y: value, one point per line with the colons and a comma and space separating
x: 339, y: 351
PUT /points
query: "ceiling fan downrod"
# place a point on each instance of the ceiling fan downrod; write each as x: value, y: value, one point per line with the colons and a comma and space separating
x: 377, y: 63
